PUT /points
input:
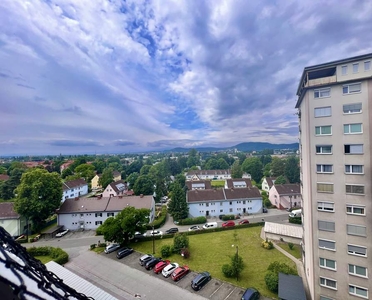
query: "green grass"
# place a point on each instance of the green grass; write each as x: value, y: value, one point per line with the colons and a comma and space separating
x: 208, y: 252
x: 218, y: 183
x: 296, y: 251
x: 44, y: 259
x: 98, y: 250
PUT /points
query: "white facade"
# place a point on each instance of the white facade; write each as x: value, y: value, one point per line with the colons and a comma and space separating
x: 13, y: 226
x: 75, y: 192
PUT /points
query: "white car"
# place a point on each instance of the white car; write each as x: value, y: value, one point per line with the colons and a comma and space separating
x: 62, y: 233
x: 154, y: 233
x: 112, y: 248
x: 194, y: 228
x: 168, y: 270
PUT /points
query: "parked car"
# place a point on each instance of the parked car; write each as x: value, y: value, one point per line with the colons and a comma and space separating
x: 168, y: 270
x: 62, y: 233
x: 154, y: 233
x: 112, y: 248
x: 210, y: 225
x: 180, y: 272
x: 194, y: 228
x: 160, y: 266
x: 152, y: 262
x: 264, y: 210
x: 200, y: 280
x: 171, y: 230
x: 124, y: 252
x: 144, y: 259
x: 228, y: 224
x: 251, y: 294
x: 244, y: 221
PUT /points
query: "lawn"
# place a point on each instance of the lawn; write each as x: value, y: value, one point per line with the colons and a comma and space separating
x: 208, y: 252
x: 44, y: 259
x: 218, y: 183
x: 296, y: 251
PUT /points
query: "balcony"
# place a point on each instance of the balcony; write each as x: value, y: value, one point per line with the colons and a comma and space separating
x: 321, y: 81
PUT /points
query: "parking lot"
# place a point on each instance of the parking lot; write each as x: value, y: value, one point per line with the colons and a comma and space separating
x: 215, y: 289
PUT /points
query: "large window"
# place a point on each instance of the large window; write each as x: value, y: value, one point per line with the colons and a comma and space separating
x: 358, y: 291
x: 367, y: 65
x: 353, y: 149
x: 356, y: 68
x: 322, y: 93
x: 356, y: 230
x: 352, y: 108
x: 355, y: 210
x: 327, y: 263
x: 323, y: 130
x: 351, y: 88
x: 322, y: 112
x: 98, y: 215
x: 326, y: 206
x: 357, y: 250
x: 324, y: 168
x: 327, y: 244
x: 326, y: 149
x: 326, y: 226
x: 353, y: 128
x: 354, y: 189
x: 322, y: 187
x: 354, y: 169
x: 358, y: 271
x: 328, y: 283
x: 344, y: 70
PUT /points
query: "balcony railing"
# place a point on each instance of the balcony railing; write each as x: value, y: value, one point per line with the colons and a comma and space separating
x: 321, y: 81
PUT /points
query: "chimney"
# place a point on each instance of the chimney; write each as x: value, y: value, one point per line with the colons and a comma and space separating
x: 141, y: 196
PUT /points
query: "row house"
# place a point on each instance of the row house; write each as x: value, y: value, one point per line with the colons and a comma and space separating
x: 196, y: 175
x: 74, y: 188
x: 285, y: 196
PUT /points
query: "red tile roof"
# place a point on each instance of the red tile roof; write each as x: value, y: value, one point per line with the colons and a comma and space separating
x: 207, y: 184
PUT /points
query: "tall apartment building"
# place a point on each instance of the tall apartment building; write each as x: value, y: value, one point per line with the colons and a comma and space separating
x: 335, y: 127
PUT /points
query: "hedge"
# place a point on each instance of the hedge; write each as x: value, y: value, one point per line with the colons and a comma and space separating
x: 228, y: 217
x: 58, y: 255
x: 160, y: 221
x: 295, y: 220
x: 192, y: 221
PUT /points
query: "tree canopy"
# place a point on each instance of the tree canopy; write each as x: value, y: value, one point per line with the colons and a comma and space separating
x: 277, y: 166
x: 292, y: 169
x: 177, y: 206
x: 253, y: 166
x: 143, y: 185
x: 236, y: 170
x: 106, y: 178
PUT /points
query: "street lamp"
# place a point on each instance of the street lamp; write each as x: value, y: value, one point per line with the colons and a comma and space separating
x: 236, y: 261
x: 153, y: 240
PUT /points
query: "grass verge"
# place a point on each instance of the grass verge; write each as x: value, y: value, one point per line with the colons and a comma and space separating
x: 44, y: 259
x: 296, y: 251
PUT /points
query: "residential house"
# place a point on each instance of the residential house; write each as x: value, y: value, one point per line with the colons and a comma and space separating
x: 267, y: 183
x: 10, y: 220
x: 4, y: 177
x: 214, y: 202
x: 237, y: 183
x: 285, y: 196
x: 95, y: 180
x: 198, y: 175
x: 74, y: 188
x: 117, y: 188
x: 89, y: 213
x: 65, y: 165
x: 198, y: 185
x: 289, y: 233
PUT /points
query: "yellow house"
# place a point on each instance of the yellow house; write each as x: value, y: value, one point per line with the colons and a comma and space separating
x: 94, y: 183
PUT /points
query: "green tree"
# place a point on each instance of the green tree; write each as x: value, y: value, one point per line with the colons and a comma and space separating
x: 8, y: 187
x: 193, y: 159
x: 145, y: 170
x: 106, y: 178
x: 180, y: 241
x: 272, y: 274
x: 85, y: 171
x: 135, y: 167
x: 266, y: 159
x: 38, y: 195
x: 67, y: 172
x: 267, y: 170
x: 143, y: 185
x: 99, y: 165
x: 241, y: 156
x: 253, y: 166
x: 160, y: 190
x: 235, y: 268
x: 277, y: 167
x: 222, y: 164
x: 2, y: 170
x: 280, y: 180
x: 131, y: 179
x: 177, y: 206
x: 292, y: 169
x: 236, y: 170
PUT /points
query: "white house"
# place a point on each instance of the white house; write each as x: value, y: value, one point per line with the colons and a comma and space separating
x: 199, y: 185
x: 10, y: 220
x: 211, y: 175
x: 285, y: 196
x: 237, y: 183
x: 267, y: 183
x: 116, y: 188
x: 89, y: 213
x: 74, y: 188
x: 214, y: 202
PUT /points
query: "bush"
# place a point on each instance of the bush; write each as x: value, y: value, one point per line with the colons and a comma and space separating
x: 267, y: 244
x: 272, y: 280
x: 180, y: 241
x: 227, y: 270
x: 93, y: 246
x: 99, y: 230
x: 290, y: 245
x: 192, y: 221
x: 166, y: 251
x: 267, y: 203
x: 228, y: 217
x: 160, y: 221
x: 58, y: 255
x: 296, y: 220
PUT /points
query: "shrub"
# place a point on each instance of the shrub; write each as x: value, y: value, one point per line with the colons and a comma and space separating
x: 92, y: 246
x: 267, y: 244
x: 290, y: 245
x: 296, y: 220
x: 58, y: 255
x: 180, y: 241
x: 272, y: 280
x: 228, y: 217
x: 99, y: 230
x: 160, y: 221
x: 192, y: 221
x: 166, y: 251
x: 267, y: 203
x: 227, y: 270
x: 185, y: 253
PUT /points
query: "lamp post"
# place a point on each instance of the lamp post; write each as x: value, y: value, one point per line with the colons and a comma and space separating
x: 153, y: 240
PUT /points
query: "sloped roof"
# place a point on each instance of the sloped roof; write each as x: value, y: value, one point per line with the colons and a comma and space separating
x: 222, y: 194
x: 284, y: 229
x: 4, y: 177
x: 288, y: 189
x: 208, y: 172
x: 236, y: 182
x: 119, y: 186
x: 270, y: 181
x: 119, y: 203
x: 116, y: 173
x: 192, y: 184
x: 291, y: 287
x: 7, y: 211
x: 246, y: 193
x: 68, y: 185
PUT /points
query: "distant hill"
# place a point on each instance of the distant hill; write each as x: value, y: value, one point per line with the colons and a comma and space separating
x: 249, y: 146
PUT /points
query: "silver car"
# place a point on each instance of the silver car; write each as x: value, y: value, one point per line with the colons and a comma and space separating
x: 112, y: 248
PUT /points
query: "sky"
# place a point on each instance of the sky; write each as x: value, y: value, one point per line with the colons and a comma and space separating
x: 110, y: 76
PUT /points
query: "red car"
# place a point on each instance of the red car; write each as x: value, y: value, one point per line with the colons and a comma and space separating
x: 180, y: 272
x: 160, y: 266
x: 244, y: 221
x: 228, y: 224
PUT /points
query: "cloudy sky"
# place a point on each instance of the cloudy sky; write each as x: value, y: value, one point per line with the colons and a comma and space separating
x: 121, y: 76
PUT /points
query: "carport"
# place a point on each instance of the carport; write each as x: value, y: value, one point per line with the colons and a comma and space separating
x: 51, y: 232
x: 291, y: 287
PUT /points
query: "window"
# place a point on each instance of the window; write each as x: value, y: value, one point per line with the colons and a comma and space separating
x: 98, y: 222
x: 221, y: 210
x: 98, y: 215
x: 231, y: 210
x: 358, y: 291
x: 110, y: 214
x: 322, y: 112
x: 367, y: 65
x: 324, y: 168
x: 326, y: 226
x: 324, y: 187
x: 327, y: 149
x: 352, y: 108
x: 354, y: 189
x: 353, y: 149
x: 358, y: 271
x: 326, y: 244
x: 355, y: 68
x: 230, y: 202
x: 351, y: 88
x: 344, y: 70
x: 356, y: 230
x: 353, y: 128
x: 327, y: 263
x: 323, y: 130
x: 328, y: 283
x: 326, y: 206
x: 357, y: 250
x: 355, y: 210
x: 354, y: 169
x: 322, y: 93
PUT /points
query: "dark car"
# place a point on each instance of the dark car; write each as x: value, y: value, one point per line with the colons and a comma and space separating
x: 151, y: 263
x: 124, y: 252
x: 251, y: 294
x: 171, y: 230
x: 200, y: 280
x: 145, y: 258
x: 264, y: 210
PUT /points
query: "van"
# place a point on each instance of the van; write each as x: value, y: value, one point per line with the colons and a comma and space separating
x: 210, y: 225
x: 295, y: 213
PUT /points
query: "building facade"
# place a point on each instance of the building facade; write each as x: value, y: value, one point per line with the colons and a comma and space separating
x: 286, y: 196
x: 74, y: 188
x: 10, y: 220
x: 335, y: 147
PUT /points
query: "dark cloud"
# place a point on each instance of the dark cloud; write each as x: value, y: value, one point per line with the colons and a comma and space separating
x: 124, y: 143
x: 74, y: 109
x: 4, y: 75
x: 173, y: 143
x: 25, y: 86
x: 74, y: 143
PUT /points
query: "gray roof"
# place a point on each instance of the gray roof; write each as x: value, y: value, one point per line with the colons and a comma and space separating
x: 7, y: 211
x: 119, y: 203
x: 238, y: 182
x: 199, y: 183
x: 208, y: 172
x: 288, y: 189
x: 284, y: 229
x: 119, y: 186
x: 68, y: 185
x: 222, y: 194
x: 291, y: 287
